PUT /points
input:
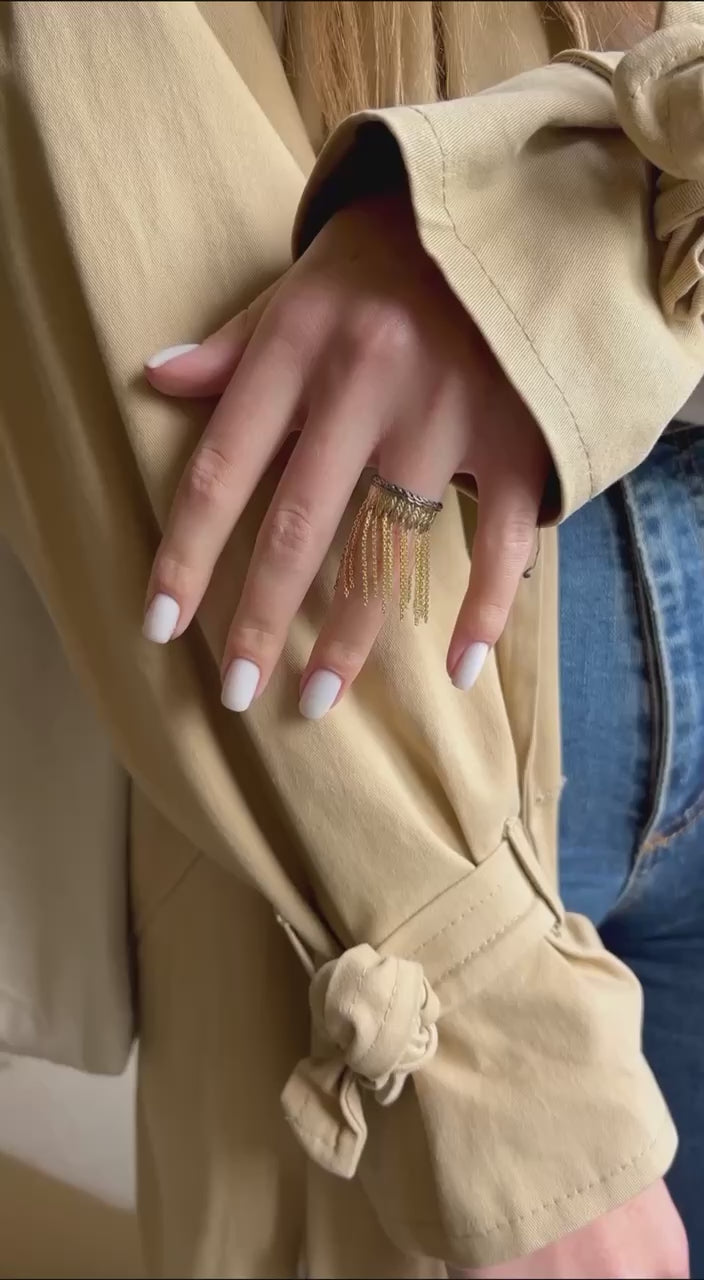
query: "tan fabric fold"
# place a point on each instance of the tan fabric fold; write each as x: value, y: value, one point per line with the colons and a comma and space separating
x: 473, y: 168
x: 151, y: 164
x: 375, y: 1012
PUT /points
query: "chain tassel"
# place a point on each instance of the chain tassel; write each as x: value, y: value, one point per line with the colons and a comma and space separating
x: 391, y: 527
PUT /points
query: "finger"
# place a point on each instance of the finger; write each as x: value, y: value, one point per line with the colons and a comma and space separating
x: 503, y: 544
x: 242, y: 437
x: 292, y: 543
x: 205, y: 369
x: 352, y: 627
x: 340, y: 652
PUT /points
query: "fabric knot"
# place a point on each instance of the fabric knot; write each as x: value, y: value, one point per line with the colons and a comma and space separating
x: 379, y: 1013
x: 374, y: 1024
x: 659, y: 92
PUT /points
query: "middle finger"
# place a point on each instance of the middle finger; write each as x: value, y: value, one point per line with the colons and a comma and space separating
x: 296, y: 533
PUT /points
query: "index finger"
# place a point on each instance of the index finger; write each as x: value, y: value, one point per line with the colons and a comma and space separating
x: 241, y: 439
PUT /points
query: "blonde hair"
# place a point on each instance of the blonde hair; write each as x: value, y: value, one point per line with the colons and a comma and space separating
x: 354, y: 49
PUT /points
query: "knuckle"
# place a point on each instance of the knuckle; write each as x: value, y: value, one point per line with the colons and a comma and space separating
x: 517, y: 534
x: 288, y: 535
x: 209, y: 476
x: 284, y: 339
x: 292, y: 316
x: 489, y: 620
x: 256, y: 638
x: 344, y: 658
x: 174, y: 577
x: 521, y: 526
x: 511, y: 542
x: 382, y: 330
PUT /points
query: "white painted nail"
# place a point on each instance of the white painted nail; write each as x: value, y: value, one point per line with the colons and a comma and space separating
x: 469, y: 666
x: 319, y: 694
x: 170, y: 353
x: 240, y: 684
x: 161, y: 619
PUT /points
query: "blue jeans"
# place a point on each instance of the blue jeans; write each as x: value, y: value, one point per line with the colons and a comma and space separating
x: 632, y: 821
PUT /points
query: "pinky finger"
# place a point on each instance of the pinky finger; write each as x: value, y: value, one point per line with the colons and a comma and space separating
x: 503, y: 545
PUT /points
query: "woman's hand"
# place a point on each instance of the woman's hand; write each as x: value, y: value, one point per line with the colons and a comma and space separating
x: 643, y: 1238
x: 363, y: 348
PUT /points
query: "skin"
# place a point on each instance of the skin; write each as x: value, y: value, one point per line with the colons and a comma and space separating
x: 370, y: 355
x: 642, y: 1239
x: 367, y: 356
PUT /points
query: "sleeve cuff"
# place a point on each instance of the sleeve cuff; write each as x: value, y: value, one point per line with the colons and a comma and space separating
x: 488, y: 1033
x: 543, y: 235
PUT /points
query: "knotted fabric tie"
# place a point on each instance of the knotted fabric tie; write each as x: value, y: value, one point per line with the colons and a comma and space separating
x: 659, y: 92
x: 374, y: 1023
x: 375, y: 1014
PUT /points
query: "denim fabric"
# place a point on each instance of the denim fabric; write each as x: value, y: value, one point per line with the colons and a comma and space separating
x: 632, y: 821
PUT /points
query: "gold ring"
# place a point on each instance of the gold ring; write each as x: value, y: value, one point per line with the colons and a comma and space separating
x: 391, y: 522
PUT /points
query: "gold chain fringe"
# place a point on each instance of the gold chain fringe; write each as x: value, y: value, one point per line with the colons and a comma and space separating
x: 392, y: 523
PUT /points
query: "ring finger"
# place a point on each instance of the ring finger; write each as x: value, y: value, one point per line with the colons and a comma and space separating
x: 351, y: 629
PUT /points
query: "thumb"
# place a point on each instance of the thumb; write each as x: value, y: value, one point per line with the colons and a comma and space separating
x: 205, y: 368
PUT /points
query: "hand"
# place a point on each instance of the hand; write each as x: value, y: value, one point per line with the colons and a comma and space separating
x: 643, y: 1238
x: 363, y: 347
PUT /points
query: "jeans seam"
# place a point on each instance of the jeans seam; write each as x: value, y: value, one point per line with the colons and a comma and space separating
x: 689, y: 818
x: 661, y: 719
x: 692, y: 472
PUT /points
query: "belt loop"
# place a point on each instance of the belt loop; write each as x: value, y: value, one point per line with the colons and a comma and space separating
x: 522, y: 846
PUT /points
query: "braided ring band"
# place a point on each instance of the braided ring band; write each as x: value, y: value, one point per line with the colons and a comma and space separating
x: 392, y: 523
x: 415, y: 499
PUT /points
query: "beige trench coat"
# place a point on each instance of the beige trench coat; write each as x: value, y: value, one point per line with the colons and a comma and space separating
x: 474, y: 1085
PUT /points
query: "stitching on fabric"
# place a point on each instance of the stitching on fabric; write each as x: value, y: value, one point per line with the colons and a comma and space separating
x: 499, y: 888
x: 297, y: 1119
x: 551, y: 1204
x: 358, y: 990
x: 544, y: 797
x: 664, y: 63
x: 478, y: 950
x: 315, y: 1140
x: 504, y: 299
x: 689, y: 817
x: 318, y: 1142
x: 387, y: 1011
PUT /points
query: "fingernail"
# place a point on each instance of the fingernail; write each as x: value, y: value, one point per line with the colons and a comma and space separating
x: 240, y: 684
x: 170, y: 353
x: 161, y: 619
x: 469, y: 666
x: 319, y: 694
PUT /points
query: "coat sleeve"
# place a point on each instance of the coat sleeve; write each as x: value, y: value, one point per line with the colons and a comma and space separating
x: 475, y: 1053
x: 566, y: 215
